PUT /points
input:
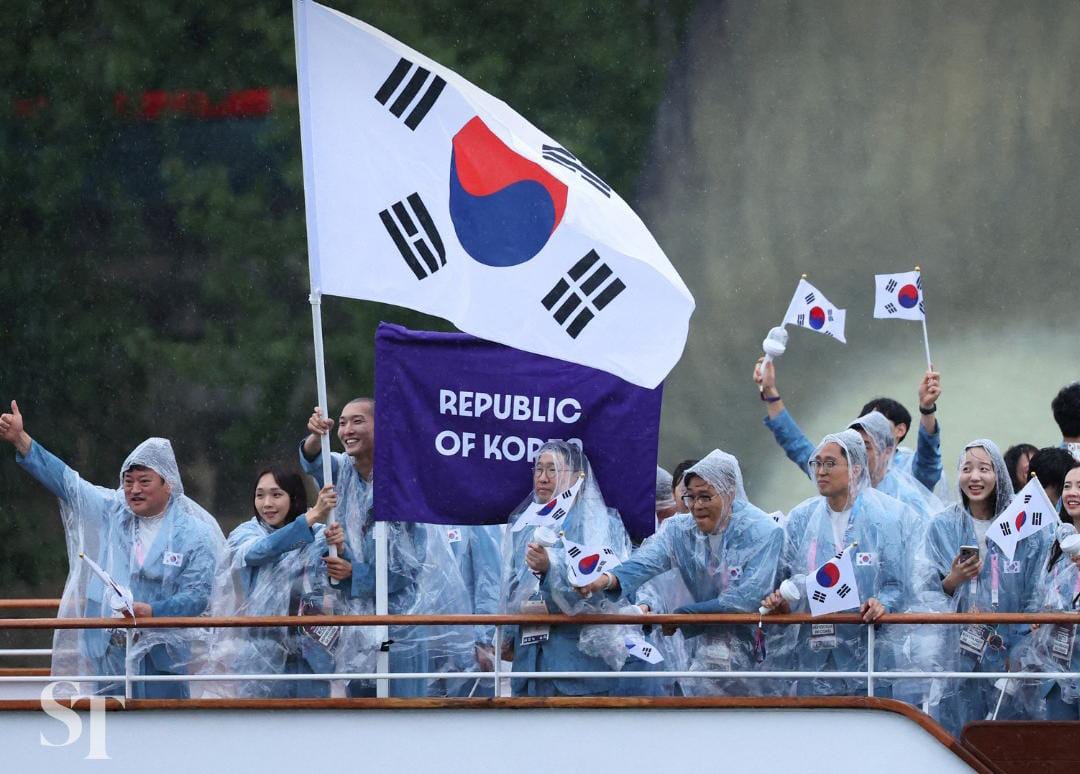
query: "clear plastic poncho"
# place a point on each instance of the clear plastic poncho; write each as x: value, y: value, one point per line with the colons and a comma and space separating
x: 665, y: 496
x: 591, y: 523
x: 728, y: 571
x: 874, y: 522
x: 1052, y: 647
x: 892, y: 479
x: 261, y: 578
x: 1001, y: 586
x: 422, y: 578
x: 176, y: 576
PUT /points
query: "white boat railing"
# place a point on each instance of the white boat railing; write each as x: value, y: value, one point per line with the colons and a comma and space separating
x: 870, y: 674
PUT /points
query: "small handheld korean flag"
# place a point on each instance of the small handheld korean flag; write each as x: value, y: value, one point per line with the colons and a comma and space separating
x: 551, y: 513
x: 584, y: 564
x: 639, y: 647
x: 1026, y: 515
x: 899, y: 296
x: 832, y: 587
x: 810, y: 309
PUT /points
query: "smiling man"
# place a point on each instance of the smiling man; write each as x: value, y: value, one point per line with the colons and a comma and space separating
x: 847, y: 510
x: 422, y: 573
x: 149, y: 538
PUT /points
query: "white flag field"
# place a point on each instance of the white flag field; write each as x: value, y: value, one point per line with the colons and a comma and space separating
x: 810, y: 309
x: 899, y: 296
x: 426, y: 192
x: 832, y: 587
x: 1027, y: 514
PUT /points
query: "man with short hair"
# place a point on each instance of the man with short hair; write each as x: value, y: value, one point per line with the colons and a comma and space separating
x: 1066, y: 408
x: 924, y: 464
x: 150, y: 539
x: 846, y: 510
x: 422, y: 574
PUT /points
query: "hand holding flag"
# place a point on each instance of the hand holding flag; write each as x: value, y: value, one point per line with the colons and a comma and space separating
x: 121, y: 597
x: 1029, y: 511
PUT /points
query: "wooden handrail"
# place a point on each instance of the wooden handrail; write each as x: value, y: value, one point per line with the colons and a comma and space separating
x: 230, y: 622
x: 29, y: 604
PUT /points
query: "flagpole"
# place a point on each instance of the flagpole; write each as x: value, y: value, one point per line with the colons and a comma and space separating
x: 925, y: 338
x: 304, y: 94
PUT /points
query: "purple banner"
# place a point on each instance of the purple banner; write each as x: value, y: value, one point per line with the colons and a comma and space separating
x: 459, y: 421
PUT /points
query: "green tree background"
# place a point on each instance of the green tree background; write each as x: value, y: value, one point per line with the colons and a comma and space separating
x: 154, y: 275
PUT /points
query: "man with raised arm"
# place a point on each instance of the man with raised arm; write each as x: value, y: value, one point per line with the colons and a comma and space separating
x: 152, y: 551
x: 924, y: 464
x: 422, y: 573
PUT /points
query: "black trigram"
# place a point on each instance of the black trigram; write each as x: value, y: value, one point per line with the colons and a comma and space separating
x: 1027, y: 499
x: 801, y: 320
x: 1005, y: 528
x: 409, y: 218
x: 608, y: 552
x: 407, y: 95
x: 891, y: 285
x: 918, y: 281
x: 581, y: 294
x: 646, y: 651
x: 558, y: 514
x: 819, y: 596
x: 843, y: 591
x: 573, y: 552
x: 810, y: 298
x: 1036, y: 518
x: 565, y: 158
x: 890, y: 308
x: 922, y: 308
x: 828, y: 314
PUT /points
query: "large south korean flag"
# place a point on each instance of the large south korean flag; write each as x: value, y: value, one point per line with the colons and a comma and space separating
x: 426, y: 192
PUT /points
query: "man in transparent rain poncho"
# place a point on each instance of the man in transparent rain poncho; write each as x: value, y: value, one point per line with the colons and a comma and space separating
x: 726, y: 551
x: 536, y: 577
x: 423, y: 576
x: 847, y: 510
x: 151, y: 540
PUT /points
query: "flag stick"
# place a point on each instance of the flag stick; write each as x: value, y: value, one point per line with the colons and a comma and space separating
x: 304, y: 94
x: 925, y: 338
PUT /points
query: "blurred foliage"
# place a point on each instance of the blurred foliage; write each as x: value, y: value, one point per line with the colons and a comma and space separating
x: 154, y: 272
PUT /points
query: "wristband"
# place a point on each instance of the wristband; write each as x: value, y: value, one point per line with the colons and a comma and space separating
x: 607, y: 581
x: 768, y: 400
x: 928, y: 411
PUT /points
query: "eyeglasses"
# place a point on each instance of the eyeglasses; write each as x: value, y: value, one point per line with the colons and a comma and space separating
x: 548, y: 470
x: 826, y: 465
x: 688, y: 500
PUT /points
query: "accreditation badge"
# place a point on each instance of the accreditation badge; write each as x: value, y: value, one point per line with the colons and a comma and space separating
x: 822, y: 636
x: 532, y: 635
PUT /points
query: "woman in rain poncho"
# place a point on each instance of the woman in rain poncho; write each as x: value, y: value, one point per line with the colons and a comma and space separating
x: 985, y: 580
x: 848, y: 510
x: 726, y: 551
x: 422, y: 574
x: 150, y: 538
x: 536, y: 580
x: 1052, y: 647
x: 274, y: 566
